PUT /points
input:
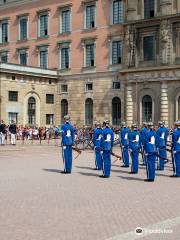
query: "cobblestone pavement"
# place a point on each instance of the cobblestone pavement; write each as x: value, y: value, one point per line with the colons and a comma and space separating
x: 37, y: 202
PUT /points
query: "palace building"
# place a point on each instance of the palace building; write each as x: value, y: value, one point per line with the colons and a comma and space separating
x: 93, y: 59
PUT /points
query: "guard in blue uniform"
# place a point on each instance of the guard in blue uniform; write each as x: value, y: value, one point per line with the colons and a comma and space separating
x: 161, y: 142
x: 176, y: 150
x: 107, y: 145
x: 134, y: 146
x: 67, y: 142
x: 97, y: 138
x: 151, y: 152
x: 124, y: 142
x: 142, y: 136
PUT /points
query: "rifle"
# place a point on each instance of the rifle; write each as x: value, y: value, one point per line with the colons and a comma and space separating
x: 163, y: 158
x: 99, y: 149
x: 76, y: 149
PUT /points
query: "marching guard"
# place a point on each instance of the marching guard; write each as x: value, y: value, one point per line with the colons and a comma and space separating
x: 142, y: 135
x: 67, y: 142
x: 124, y: 144
x: 161, y: 142
x: 107, y: 145
x: 150, y: 151
x: 176, y: 150
x: 134, y: 146
x: 97, y: 138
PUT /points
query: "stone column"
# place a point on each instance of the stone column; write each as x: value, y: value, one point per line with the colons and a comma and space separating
x: 129, y: 105
x: 164, y: 113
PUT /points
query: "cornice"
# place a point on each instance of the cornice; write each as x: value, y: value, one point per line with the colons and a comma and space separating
x: 16, y: 3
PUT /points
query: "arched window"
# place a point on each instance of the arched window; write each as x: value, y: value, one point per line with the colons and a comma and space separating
x: 64, y: 109
x: 116, y: 111
x: 32, y: 111
x: 89, y: 111
x: 147, y: 108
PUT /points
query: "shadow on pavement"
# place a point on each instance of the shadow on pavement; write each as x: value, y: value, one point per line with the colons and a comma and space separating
x: 84, y: 167
x: 132, y: 178
x: 89, y: 174
x: 52, y: 170
x: 120, y: 171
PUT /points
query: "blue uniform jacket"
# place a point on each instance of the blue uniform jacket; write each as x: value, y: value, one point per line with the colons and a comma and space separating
x: 134, y: 140
x: 97, y: 137
x: 124, y: 136
x: 176, y: 139
x: 67, y: 134
x: 150, y: 141
x: 107, y: 139
x: 161, y: 137
x: 143, y: 135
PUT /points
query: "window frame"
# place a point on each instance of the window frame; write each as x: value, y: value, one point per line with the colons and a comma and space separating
x: 114, y: 82
x: 86, y: 87
x: 41, y: 49
x: 92, y: 3
x: 2, y: 54
x: 50, y: 100
x: 111, y: 51
x: 112, y: 13
x: 10, y: 119
x: 155, y: 9
x: 5, y: 21
x: 61, y: 90
x: 21, y: 51
x: 19, y: 27
x: 154, y: 48
x: 61, y: 10
x: 40, y: 14
x: 48, y: 117
x: 12, y: 98
x: 85, y: 54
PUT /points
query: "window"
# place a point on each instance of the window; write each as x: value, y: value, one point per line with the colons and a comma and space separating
x: 65, y: 20
x: 148, y: 48
x: 13, y: 96
x: 43, y: 58
x: 89, y: 87
x: 64, y: 57
x: 49, y: 119
x: 23, y: 28
x: 64, y: 109
x: 23, y: 57
x: 4, y: 57
x: 116, y: 52
x: 89, y: 111
x: 147, y: 109
x: 90, y: 16
x: 4, y: 32
x: 116, y: 85
x: 116, y: 111
x: 12, y: 116
x: 117, y: 11
x: 148, y: 9
x: 49, y: 98
x: 90, y: 52
x: 43, y: 25
x: 31, y: 111
x: 64, y: 88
